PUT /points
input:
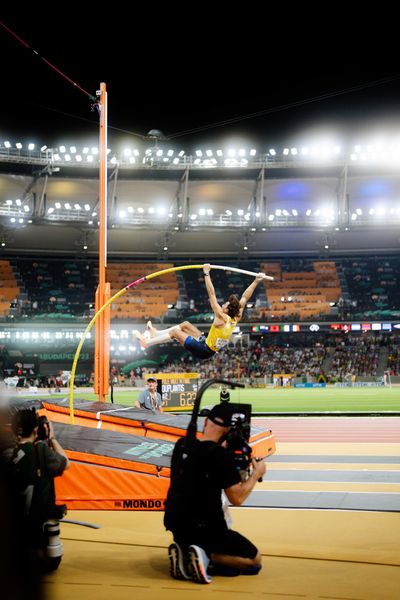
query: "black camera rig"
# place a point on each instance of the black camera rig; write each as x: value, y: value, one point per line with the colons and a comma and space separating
x: 237, y: 438
x: 43, y: 431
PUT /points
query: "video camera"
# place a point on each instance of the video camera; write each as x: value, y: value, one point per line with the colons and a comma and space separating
x: 237, y: 438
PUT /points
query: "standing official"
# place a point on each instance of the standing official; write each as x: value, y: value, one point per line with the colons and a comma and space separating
x: 150, y: 399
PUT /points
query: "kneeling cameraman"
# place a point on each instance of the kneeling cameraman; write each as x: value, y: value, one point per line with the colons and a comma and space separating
x: 35, y: 460
x: 194, y: 511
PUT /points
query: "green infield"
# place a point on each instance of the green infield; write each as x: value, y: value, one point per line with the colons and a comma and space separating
x: 308, y: 400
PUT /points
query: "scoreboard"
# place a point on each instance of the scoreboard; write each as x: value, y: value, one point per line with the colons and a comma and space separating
x: 178, y: 390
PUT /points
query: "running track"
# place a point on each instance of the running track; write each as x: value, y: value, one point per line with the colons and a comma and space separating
x: 332, y: 429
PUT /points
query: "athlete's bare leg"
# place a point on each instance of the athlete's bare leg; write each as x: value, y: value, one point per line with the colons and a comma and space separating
x: 153, y: 331
x: 182, y: 332
x: 190, y: 329
x: 146, y: 339
x: 142, y: 339
x: 179, y: 333
x: 186, y: 327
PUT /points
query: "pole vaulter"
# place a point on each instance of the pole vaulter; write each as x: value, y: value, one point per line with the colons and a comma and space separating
x: 120, y: 293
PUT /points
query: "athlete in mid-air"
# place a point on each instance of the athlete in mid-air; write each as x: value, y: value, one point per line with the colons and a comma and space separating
x: 226, y: 317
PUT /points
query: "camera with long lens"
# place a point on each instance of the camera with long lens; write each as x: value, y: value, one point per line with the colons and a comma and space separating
x: 43, y: 428
x: 54, y: 549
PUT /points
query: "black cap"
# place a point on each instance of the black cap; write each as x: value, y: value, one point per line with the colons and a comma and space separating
x: 151, y: 379
x: 221, y: 414
x: 24, y: 421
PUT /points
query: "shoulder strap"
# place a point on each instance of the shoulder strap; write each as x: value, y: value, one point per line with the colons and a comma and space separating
x: 38, y: 470
x: 44, y: 483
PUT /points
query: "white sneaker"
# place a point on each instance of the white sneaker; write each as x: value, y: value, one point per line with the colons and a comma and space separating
x: 177, y: 566
x: 199, y: 562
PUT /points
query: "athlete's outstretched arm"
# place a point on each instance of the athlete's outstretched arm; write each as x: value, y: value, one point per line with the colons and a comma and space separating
x: 247, y: 294
x: 215, y: 307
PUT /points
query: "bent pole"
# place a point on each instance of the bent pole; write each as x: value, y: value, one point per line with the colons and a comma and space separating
x: 120, y: 293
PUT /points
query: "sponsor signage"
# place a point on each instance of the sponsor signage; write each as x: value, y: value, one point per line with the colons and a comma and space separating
x: 259, y: 328
x: 58, y: 356
x: 139, y: 504
x: 310, y: 385
x: 314, y: 327
x: 286, y: 328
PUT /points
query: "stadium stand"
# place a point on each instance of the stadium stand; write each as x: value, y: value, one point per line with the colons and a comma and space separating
x: 9, y: 290
x: 302, y: 290
x: 57, y: 289
x: 149, y: 301
x: 299, y: 294
x: 374, y: 286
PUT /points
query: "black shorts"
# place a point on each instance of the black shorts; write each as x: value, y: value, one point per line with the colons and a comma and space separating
x: 228, y: 542
x: 234, y: 544
x: 198, y: 347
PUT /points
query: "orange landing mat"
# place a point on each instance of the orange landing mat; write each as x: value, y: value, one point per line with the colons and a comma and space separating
x: 120, y: 471
x: 120, y: 456
x: 128, y: 419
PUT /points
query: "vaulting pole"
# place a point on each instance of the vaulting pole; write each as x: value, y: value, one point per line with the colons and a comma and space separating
x: 106, y: 305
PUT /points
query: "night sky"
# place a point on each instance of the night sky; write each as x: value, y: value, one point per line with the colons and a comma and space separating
x: 162, y: 73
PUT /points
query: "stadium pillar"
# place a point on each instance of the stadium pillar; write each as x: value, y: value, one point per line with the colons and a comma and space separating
x: 102, y: 345
x: 102, y: 355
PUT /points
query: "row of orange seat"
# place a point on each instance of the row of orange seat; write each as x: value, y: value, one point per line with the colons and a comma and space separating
x: 310, y: 292
x: 8, y: 287
x: 149, y: 300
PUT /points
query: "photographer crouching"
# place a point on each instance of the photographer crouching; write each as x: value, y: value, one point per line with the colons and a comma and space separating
x: 32, y: 464
x: 203, y: 543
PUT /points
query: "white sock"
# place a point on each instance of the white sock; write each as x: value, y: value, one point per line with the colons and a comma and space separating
x: 159, y: 339
x: 162, y: 331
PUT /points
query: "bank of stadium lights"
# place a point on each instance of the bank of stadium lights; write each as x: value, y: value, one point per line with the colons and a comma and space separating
x: 139, y: 215
x: 16, y: 211
x: 379, y: 152
x: 62, y: 154
x: 380, y: 214
x: 232, y: 157
x: 316, y: 152
x: 44, y: 336
x: 157, y: 156
x: 66, y: 211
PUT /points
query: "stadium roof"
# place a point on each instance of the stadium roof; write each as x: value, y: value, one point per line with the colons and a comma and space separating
x: 273, y: 204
